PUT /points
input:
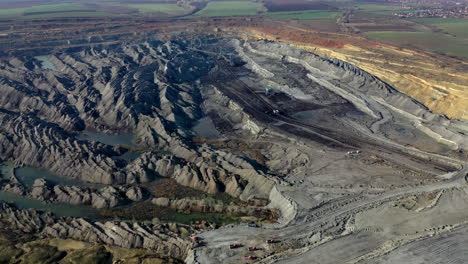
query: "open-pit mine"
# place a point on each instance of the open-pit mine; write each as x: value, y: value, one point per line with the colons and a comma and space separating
x: 219, y: 147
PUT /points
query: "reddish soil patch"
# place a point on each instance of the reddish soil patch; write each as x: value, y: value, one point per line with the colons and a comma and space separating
x: 290, y: 33
x: 321, y: 25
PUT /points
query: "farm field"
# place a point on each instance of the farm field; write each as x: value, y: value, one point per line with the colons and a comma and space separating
x: 71, y: 7
x: 88, y: 10
x: 51, y: 10
x: 310, y: 14
x: 376, y: 7
x: 171, y: 9
x: 388, y: 12
x: 447, y: 36
x: 229, y: 8
x: 325, y: 25
x: 432, y: 41
x: 371, y: 10
x: 453, y: 26
x: 66, y: 14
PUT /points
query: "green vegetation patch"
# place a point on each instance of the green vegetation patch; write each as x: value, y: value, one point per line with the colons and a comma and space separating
x: 42, y: 254
x: 56, y: 8
x: 229, y: 8
x: 8, y: 253
x: 97, y: 255
x: 310, y: 14
x: 171, y: 9
x: 11, y: 12
x: 51, y: 10
x: 146, y: 211
x: 372, y: 10
x: 68, y: 14
x: 425, y: 40
x: 388, y: 12
x: 439, y: 20
x: 454, y: 26
x: 376, y: 7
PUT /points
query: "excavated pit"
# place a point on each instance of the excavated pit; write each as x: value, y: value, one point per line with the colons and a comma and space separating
x: 256, y: 130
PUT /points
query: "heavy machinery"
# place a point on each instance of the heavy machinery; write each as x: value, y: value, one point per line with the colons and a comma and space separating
x: 253, y: 248
x: 233, y: 246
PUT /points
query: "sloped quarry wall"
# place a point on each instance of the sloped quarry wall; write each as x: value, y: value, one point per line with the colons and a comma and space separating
x: 286, y: 207
x: 367, y: 92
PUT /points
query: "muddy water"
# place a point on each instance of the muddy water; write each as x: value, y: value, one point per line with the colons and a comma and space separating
x: 206, y: 129
x: 27, y: 175
x: 45, y: 63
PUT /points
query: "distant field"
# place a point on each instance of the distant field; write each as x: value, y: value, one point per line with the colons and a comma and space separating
x: 310, y: 14
x: 448, y: 36
x: 454, y: 26
x: 52, y: 10
x: 81, y: 10
x: 369, y: 10
x: 326, y: 25
x: 388, y: 12
x: 171, y: 9
x: 42, y: 9
x: 229, y: 8
x: 68, y: 14
x: 425, y: 40
x: 376, y: 7
x: 295, y: 5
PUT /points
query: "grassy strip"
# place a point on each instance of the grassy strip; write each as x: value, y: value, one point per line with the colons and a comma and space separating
x: 453, y: 26
x: 146, y: 211
x: 171, y: 9
x: 425, y: 40
x: 229, y: 8
x: 376, y: 7
x: 302, y: 15
x: 69, y: 15
x: 12, y: 12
